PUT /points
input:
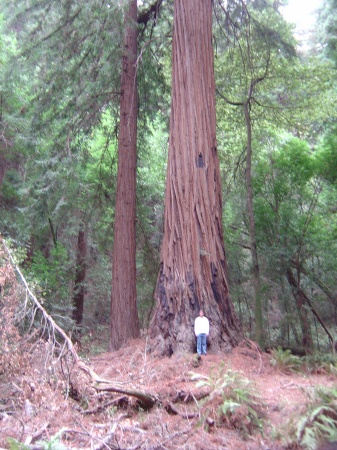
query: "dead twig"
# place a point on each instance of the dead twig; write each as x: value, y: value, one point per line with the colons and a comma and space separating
x: 37, y: 434
x: 47, y: 318
x: 104, y: 406
x: 147, y: 400
x: 171, y: 409
x: 258, y: 350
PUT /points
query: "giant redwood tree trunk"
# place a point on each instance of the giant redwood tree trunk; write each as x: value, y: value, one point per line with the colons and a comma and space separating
x: 124, y: 316
x: 193, y: 263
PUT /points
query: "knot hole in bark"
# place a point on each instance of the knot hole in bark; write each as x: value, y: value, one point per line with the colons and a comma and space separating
x: 200, y: 160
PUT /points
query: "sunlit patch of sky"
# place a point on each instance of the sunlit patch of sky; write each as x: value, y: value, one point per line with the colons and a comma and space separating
x: 302, y: 13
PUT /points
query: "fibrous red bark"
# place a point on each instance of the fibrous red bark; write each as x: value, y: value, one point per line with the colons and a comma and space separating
x: 124, y: 316
x: 193, y: 262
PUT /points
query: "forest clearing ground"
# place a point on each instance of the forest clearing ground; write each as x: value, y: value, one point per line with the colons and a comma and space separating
x: 41, y: 407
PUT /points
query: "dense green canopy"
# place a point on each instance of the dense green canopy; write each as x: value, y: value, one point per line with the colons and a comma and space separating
x: 60, y: 69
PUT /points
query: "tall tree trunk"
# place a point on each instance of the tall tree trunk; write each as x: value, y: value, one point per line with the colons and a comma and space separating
x: 3, y: 166
x: 259, y: 332
x: 192, y: 272
x: 124, y: 317
x: 318, y: 281
x: 300, y: 298
x: 79, y: 290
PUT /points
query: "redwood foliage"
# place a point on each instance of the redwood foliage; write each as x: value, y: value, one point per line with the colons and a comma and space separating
x: 193, y: 263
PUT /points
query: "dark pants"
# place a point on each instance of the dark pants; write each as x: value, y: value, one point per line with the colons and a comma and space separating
x: 201, y: 344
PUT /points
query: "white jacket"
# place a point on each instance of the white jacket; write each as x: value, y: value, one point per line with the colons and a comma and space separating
x: 201, y: 325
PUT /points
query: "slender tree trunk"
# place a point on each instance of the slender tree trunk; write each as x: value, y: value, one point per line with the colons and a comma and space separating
x: 3, y: 166
x: 192, y: 272
x: 317, y: 280
x: 79, y: 290
x: 259, y: 332
x: 53, y: 232
x: 124, y: 316
x: 313, y: 310
x: 300, y: 298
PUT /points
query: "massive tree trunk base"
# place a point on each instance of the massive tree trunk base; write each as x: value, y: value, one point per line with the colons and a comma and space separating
x: 180, y: 339
x: 172, y: 327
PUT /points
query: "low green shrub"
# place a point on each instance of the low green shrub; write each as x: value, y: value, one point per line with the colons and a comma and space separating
x: 233, y: 399
x: 318, y: 424
x: 284, y: 361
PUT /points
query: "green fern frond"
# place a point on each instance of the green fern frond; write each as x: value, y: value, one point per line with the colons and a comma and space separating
x: 284, y: 361
x: 229, y: 407
x: 309, y: 441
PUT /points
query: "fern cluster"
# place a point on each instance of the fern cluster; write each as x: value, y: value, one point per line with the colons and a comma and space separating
x: 236, y: 400
x: 53, y: 444
x: 286, y: 362
x: 320, y: 363
x: 319, y: 423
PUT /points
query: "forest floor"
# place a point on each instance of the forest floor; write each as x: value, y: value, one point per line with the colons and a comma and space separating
x: 35, y: 405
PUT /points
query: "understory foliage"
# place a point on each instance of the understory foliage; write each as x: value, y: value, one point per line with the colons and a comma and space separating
x: 318, y: 424
x: 286, y: 362
x: 12, y: 357
x: 32, y: 354
x: 51, y: 444
x: 231, y: 399
x: 59, y: 125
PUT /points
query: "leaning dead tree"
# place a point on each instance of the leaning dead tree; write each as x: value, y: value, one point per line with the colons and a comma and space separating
x: 34, y: 322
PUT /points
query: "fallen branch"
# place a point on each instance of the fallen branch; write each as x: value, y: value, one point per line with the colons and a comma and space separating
x: 48, y: 319
x: 37, y: 434
x: 171, y: 409
x: 258, y: 351
x: 170, y: 438
x: 104, y: 406
x: 147, y: 400
x: 102, y: 442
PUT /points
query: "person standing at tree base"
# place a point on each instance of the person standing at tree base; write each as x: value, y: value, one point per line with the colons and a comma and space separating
x: 201, y: 330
